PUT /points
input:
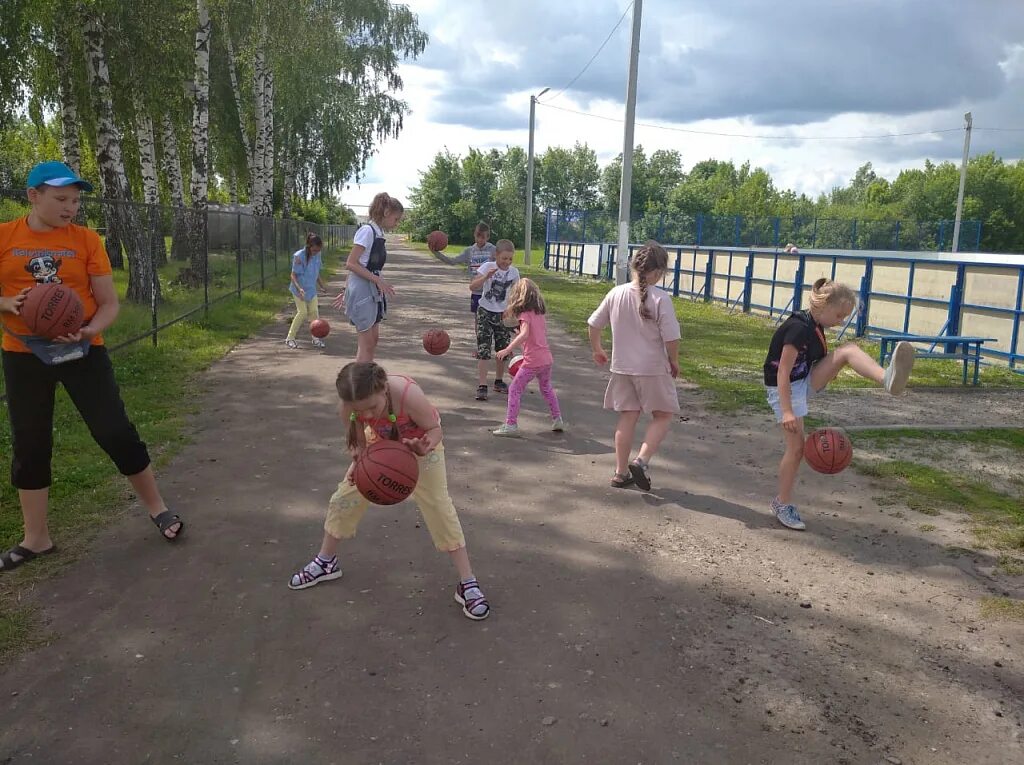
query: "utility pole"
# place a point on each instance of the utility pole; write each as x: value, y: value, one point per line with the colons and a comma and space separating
x: 625, y: 191
x: 527, y: 240
x: 963, y: 182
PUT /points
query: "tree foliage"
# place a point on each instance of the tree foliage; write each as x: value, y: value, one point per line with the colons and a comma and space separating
x: 454, y: 192
x: 334, y: 65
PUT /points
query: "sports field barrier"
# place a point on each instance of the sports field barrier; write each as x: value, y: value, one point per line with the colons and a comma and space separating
x: 898, y: 294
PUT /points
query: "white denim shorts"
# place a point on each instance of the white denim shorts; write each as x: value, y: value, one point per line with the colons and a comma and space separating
x: 800, y: 393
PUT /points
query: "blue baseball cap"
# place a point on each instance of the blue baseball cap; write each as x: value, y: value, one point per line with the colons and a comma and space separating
x: 56, y: 174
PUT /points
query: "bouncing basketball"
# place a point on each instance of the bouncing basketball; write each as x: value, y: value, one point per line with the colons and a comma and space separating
x: 436, y: 341
x: 387, y: 472
x: 828, y: 450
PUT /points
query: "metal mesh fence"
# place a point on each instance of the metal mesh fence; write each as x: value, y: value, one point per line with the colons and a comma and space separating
x: 174, y: 263
x: 600, y: 226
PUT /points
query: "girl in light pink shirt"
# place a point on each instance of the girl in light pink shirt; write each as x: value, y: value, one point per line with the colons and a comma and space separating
x: 645, y: 359
x: 526, y: 304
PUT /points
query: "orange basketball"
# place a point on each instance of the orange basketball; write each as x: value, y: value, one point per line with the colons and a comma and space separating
x: 828, y: 450
x: 52, y: 310
x: 436, y: 341
x: 319, y: 328
x: 437, y: 240
x: 387, y: 472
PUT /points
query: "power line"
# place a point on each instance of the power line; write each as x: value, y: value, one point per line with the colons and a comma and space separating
x: 767, y: 137
x: 596, y: 54
x: 1001, y: 130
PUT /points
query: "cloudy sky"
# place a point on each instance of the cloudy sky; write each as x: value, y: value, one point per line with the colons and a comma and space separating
x: 804, y: 71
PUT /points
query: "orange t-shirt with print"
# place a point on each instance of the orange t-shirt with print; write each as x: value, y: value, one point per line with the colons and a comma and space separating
x: 69, y: 255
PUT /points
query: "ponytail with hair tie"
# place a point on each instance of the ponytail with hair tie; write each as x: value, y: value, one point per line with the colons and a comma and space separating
x: 651, y: 257
x: 827, y: 292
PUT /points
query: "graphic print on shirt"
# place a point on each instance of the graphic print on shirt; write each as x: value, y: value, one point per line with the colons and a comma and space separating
x: 498, y: 289
x: 44, y: 269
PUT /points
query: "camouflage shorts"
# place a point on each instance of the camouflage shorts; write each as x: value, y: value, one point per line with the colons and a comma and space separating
x: 490, y: 327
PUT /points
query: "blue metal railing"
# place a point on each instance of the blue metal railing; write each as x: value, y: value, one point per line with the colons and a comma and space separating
x: 738, y: 277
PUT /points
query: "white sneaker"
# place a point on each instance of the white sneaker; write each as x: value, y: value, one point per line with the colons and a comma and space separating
x: 291, y: 344
x: 509, y: 431
x: 898, y: 371
x: 318, y: 343
x: 558, y: 425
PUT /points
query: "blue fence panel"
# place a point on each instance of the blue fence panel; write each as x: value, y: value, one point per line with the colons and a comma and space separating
x: 739, y: 277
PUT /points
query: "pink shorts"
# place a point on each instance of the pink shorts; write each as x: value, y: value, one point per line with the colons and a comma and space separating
x: 643, y: 393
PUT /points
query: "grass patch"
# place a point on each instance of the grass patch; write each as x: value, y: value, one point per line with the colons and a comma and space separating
x: 158, y: 387
x: 1011, y: 565
x: 1008, y: 438
x: 1004, y: 609
x: 927, y: 527
x: 998, y: 518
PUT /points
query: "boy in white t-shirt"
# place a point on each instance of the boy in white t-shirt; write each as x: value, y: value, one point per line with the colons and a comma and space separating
x: 494, y: 279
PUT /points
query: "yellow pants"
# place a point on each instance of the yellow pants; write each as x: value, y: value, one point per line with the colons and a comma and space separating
x: 303, y: 309
x: 347, y: 506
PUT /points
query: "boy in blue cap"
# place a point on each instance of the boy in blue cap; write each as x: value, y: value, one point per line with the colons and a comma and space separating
x: 47, y: 247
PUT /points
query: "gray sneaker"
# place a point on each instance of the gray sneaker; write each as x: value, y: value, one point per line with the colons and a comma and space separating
x: 898, y: 371
x: 787, y: 516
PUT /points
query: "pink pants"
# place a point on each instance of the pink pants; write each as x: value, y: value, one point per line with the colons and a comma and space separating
x: 519, y: 383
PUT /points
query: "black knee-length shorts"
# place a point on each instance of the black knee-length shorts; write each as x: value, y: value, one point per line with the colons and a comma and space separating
x: 89, y: 381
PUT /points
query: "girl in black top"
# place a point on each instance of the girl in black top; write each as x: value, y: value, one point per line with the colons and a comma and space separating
x: 799, y: 364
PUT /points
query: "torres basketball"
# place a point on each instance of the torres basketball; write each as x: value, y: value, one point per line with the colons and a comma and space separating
x: 52, y: 310
x: 436, y: 341
x: 828, y: 450
x: 387, y: 472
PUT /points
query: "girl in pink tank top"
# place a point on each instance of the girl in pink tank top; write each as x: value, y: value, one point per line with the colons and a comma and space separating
x: 368, y: 408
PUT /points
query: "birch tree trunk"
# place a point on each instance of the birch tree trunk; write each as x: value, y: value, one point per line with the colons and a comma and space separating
x: 172, y: 171
x: 68, y: 108
x: 150, y: 184
x: 259, y: 68
x: 268, y: 141
x: 236, y: 90
x: 200, y: 144
x: 143, y: 287
x: 69, y: 120
x: 288, y: 179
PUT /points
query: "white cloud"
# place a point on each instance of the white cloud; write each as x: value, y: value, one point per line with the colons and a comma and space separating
x: 485, y: 59
x: 1013, y: 64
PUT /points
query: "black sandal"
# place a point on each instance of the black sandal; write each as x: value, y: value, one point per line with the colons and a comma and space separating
x: 165, y: 520
x: 620, y: 481
x: 17, y: 555
x: 640, y: 475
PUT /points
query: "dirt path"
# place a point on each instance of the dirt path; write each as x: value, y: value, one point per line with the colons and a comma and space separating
x: 678, y: 626
x: 954, y: 407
